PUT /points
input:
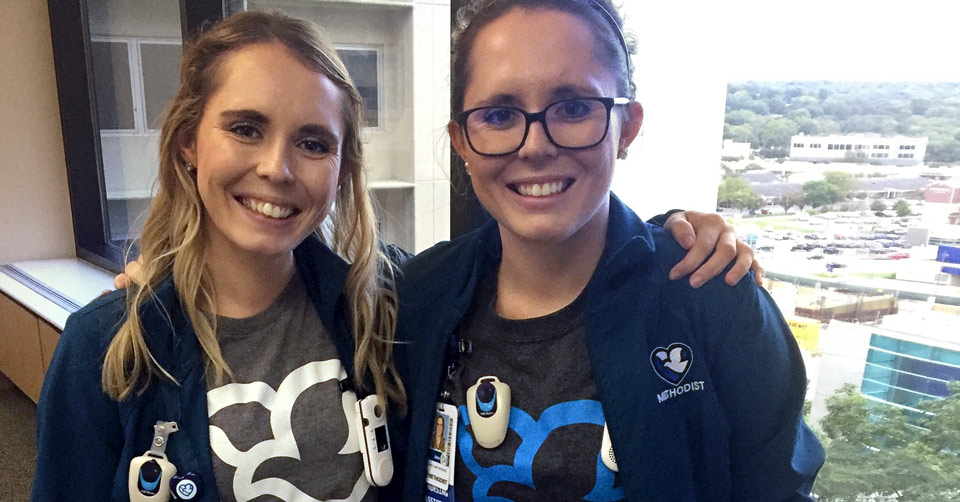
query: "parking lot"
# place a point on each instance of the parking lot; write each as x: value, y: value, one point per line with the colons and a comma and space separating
x: 833, y: 244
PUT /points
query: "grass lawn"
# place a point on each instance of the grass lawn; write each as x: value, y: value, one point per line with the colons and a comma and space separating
x: 779, y: 222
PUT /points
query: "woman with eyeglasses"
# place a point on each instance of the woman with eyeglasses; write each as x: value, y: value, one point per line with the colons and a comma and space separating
x: 574, y: 368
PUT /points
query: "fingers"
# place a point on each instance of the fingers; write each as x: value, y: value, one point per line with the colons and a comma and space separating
x: 121, y: 282
x: 704, y: 245
x: 757, y: 272
x: 130, y: 275
x: 744, y: 263
x: 723, y: 254
x: 681, y: 229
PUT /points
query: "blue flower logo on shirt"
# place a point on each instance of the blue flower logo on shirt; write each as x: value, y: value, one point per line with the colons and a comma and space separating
x: 533, y: 433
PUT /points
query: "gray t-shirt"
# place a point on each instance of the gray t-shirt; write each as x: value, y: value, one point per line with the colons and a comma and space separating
x: 282, y: 429
x: 552, y: 447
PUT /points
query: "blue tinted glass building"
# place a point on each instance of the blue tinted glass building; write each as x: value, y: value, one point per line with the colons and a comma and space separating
x: 903, y: 373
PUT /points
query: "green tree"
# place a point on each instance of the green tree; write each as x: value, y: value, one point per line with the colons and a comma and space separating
x: 820, y: 193
x: 776, y: 133
x: 877, y: 450
x: 740, y: 117
x: 743, y: 134
x: 843, y: 182
x: 878, y: 205
x: 919, y: 106
x: 737, y: 193
x: 902, y: 208
x: 788, y: 200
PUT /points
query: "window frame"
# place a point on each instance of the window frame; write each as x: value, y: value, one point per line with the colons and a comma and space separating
x: 379, y: 51
x: 71, y: 40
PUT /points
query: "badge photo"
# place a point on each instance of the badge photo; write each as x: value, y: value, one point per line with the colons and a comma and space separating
x: 441, y: 462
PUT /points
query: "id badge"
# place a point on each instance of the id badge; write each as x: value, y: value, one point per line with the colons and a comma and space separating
x: 441, y: 456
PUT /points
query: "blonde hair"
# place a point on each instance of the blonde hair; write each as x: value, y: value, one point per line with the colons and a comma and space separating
x: 173, y: 239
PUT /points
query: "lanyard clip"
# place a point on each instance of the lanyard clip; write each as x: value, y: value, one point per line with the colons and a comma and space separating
x: 161, y: 433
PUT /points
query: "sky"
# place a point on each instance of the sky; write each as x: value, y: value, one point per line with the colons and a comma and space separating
x: 913, y: 40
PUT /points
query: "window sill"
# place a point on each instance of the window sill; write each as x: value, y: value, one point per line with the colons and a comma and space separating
x: 73, y: 279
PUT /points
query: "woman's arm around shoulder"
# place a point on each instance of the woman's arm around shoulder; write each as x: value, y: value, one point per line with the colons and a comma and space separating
x: 760, y: 380
x: 79, y: 434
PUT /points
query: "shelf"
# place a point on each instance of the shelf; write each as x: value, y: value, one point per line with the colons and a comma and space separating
x: 129, y: 194
x: 389, y: 185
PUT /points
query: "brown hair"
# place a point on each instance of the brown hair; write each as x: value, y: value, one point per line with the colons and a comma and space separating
x: 475, y: 15
x: 174, y: 236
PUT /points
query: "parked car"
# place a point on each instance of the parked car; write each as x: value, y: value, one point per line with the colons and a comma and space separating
x: 815, y: 257
x: 831, y: 250
x: 898, y: 256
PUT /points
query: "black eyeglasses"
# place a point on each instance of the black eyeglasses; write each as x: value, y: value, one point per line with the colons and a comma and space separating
x: 574, y: 124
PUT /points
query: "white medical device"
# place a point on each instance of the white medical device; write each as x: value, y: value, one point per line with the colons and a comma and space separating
x: 374, y: 441
x: 606, y: 450
x: 488, y: 405
x: 150, y: 474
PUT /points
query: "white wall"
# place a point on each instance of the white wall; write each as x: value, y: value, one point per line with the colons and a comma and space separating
x: 843, y: 354
x: 674, y: 163
x: 35, y: 218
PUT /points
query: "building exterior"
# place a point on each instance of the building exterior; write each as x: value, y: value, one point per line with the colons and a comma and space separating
x: 942, y: 203
x: 733, y: 149
x: 903, y: 371
x: 905, y: 360
x: 885, y: 150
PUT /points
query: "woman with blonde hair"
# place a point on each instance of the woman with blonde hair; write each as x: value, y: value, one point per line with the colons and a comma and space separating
x: 250, y: 328
x: 240, y: 357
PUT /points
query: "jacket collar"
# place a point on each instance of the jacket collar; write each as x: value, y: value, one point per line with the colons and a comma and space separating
x: 324, y: 273
x: 627, y: 239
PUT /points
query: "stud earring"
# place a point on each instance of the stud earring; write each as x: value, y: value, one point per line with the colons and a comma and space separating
x: 622, y: 154
x: 191, y: 168
x: 466, y: 167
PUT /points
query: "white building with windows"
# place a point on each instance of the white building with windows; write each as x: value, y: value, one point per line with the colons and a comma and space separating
x: 873, y: 148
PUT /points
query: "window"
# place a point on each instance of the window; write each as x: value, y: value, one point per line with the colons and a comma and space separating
x: 363, y: 64
x: 116, y: 64
x: 798, y: 145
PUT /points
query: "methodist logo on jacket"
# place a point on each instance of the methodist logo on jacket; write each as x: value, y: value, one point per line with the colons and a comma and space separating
x: 672, y: 364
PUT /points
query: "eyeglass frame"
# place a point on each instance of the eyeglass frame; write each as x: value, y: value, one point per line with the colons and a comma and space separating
x: 541, y: 117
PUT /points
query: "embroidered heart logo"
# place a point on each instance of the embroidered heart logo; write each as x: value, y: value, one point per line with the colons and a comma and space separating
x: 185, y: 490
x: 672, y: 363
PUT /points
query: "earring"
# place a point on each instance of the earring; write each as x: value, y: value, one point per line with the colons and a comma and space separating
x: 466, y: 167
x: 622, y: 154
x: 191, y: 168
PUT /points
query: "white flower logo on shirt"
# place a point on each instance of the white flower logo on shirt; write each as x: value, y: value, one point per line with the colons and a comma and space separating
x: 280, y: 405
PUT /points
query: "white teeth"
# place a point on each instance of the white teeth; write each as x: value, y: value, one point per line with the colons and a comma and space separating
x: 268, y: 209
x: 541, y: 190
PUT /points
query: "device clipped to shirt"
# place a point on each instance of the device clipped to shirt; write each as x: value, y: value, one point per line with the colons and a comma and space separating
x: 374, y: 441
x: 150, y: 474
x: 488, y: 406
x: 606, y: 450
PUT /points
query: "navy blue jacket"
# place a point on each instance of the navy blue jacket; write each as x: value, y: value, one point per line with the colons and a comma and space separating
x: 85, y: 440
x: 730, y: 430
